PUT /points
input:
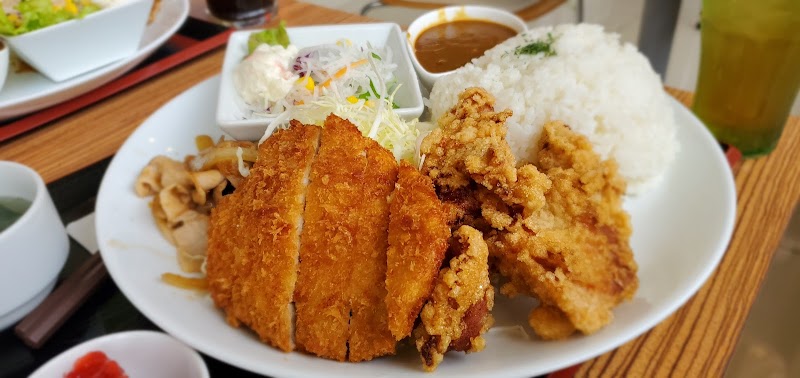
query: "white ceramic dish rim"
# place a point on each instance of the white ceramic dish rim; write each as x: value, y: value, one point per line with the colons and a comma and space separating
x: 47, y: 255
x: 5, y: 54
x: 116, y: 12
x: 401, y: 58
x: 66, y: 24
x: 479, y: 13
x: 72, y: 354
x: 37, y: 199
x: 14, y: 104
x: 580, y: 348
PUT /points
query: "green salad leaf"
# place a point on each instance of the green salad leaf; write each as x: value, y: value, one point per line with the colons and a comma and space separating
x: 30, y: 15
x: 271, y: 36
x: 7, y: 27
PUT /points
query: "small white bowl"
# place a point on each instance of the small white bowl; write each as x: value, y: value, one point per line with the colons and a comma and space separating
x: 33, y: 249
x: 452, y: 13
x: 139, y: 353
x: 73, y: 47
x: 4, y: 59
x: 234, y: 116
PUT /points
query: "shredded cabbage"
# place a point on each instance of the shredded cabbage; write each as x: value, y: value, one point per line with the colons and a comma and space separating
x: 355, y: 83
x: 243, y: 170
x: 380, y: 123
x: 340, y: 69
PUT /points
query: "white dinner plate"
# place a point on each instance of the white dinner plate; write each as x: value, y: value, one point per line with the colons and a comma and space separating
x: 681, y: 230
x: 31, y: 91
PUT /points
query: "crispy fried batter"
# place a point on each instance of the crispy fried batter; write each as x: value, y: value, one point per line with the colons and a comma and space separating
x: 370, y: 336
x: 550, y: 323
x: 457, y: 315
x: 556, y: 228
x: 418, y: 235
x: 573, y: 254
x: 330, y: 227
x: 461, y: 205
x: 470, y: 144
x: 254, y: 238
x: 343, y: 250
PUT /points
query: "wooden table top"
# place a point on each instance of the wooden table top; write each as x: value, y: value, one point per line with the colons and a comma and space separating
x: 697, y: 340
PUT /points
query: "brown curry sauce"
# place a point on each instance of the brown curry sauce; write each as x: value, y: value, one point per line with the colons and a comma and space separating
x: 447, y: 46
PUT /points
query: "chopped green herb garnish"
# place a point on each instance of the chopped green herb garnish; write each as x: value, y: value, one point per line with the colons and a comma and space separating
x: 376, y: 56
x: 375, y: 91
x: 538, y: 47
x: 363, y: 96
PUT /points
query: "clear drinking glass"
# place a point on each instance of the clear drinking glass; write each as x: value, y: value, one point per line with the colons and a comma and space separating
x: 243, y: 13
x: 749, y: 70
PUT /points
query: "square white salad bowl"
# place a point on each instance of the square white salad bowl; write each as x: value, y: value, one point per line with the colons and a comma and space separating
x: 73, y: 47
x: 236, y: 118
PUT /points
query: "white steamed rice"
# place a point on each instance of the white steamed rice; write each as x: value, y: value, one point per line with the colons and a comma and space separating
x: 599, y: 87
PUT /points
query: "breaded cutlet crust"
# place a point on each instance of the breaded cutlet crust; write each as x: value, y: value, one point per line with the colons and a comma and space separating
x: 254, y: 234
x: 458, y: 313
x: 370, y: 336
x: 340, y: 296
x: 331, y: 227
x: 418, y: 234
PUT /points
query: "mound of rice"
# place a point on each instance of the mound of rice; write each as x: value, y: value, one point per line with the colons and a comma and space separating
x: 601, y: 88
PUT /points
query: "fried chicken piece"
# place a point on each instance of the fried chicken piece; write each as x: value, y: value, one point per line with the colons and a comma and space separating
x: 470, y: 145
x: 493, y: 211
x: 461, y: 206
x: 550, y: 323
x: 254, y: 238
x: 418, y: 237
x: 343, y: 248
x: 573, y: 254
x: 556, y: 228
x: 457, y: 315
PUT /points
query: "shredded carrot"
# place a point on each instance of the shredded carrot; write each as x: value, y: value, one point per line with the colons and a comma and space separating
x: 343, y: 71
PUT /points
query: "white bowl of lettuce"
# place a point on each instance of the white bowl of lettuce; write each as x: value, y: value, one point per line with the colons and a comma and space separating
x: 65, y: 38
x: 361, y: 72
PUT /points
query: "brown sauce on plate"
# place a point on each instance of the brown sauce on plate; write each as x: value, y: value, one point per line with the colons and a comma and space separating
x: 450, y: 45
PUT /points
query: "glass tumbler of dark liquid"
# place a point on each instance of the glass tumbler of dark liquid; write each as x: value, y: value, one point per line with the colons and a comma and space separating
x: 243, y: 13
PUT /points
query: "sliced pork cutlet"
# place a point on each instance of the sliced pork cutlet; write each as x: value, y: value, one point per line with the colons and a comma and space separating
x: 330, y: 229
x: 458, y: 313
x: 370, y: 336
x: 418, y: 234
x: 340, y: 295
x: 254, y: 237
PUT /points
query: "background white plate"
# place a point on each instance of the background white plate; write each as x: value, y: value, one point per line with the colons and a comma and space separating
x: 30, y: 91
x: 234, y: 116
x: 681, y: 230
